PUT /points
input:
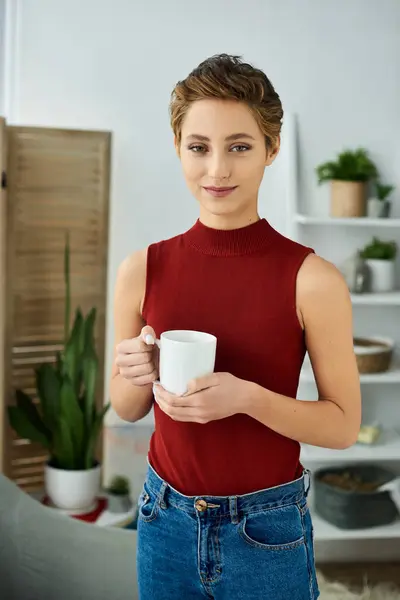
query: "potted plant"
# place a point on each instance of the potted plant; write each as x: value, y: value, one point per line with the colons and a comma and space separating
x: 349, y: 176
x: 65, y: 421
x: 118, y: 495
x: 379, y: 206
x: 380, y: 257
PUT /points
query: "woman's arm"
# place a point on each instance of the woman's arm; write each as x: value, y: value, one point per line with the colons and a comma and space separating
x: 324, y: 309
x: 131, y: 402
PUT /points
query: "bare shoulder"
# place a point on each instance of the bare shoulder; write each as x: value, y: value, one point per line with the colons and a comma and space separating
x: 133, y: 266
x: 319, y: 276
x: 131, y: 279
x: 320, y: 285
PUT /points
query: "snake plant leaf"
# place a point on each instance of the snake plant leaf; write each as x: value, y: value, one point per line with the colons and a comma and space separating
x: 48, y: 387
x: 72, y: 353
x: 72, y: 416
x: 26, y: 421
x: 90, y: 322
x: 63, y: 456
x: 93, y: 437
x: 67, y: 281
x: 90, y: 370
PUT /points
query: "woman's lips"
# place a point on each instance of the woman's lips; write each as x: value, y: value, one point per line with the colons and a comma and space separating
x: 220, y: 192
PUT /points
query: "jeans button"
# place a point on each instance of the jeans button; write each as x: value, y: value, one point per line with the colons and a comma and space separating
x: 201, y: 505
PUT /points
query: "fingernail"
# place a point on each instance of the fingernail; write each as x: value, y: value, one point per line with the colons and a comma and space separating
x: 149, y: 340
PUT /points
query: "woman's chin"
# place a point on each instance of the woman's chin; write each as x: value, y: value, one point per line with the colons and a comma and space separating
x: 220, y: 207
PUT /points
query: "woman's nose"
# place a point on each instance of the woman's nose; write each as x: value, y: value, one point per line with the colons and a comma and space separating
x: 218, y: 168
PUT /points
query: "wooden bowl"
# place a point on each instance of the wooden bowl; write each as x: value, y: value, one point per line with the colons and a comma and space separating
x: 373, y: 354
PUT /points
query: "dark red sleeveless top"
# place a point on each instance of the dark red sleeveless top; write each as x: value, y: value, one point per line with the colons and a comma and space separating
x: 239, y: 285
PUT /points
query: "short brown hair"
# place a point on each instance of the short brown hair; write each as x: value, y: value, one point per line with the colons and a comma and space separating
x: 229, y: 78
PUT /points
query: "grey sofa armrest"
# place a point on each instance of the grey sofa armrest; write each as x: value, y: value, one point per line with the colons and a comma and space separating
x: 45, y: 555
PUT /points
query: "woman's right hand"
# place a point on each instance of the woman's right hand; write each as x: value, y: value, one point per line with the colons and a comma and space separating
x: 137, y: 358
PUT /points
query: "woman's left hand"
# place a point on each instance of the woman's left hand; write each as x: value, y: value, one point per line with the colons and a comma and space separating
x: 209, y: 398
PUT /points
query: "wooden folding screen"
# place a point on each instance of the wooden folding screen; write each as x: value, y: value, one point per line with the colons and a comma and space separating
x: 56, y: 181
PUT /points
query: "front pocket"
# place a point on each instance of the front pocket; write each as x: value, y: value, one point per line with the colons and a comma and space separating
x: 147, y: 505
x: 274, y: 529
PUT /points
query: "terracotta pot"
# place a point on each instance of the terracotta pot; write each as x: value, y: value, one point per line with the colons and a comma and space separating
x: 348, y: 198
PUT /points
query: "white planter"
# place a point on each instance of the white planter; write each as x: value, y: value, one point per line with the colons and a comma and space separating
x: 377, y: 209
x: 374, y: 208
x: 382, y: 275
x: 72, y: 490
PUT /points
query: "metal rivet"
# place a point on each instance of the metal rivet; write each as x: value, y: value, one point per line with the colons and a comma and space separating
x: 201, y: 505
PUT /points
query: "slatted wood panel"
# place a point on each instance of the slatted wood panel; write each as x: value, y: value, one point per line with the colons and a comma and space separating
x: 58, y: 181
x: 4, y: 329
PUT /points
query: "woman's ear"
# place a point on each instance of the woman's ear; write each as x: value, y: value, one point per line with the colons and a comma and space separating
x: 273, y: 151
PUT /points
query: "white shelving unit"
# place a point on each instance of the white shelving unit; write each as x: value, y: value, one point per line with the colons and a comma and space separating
x: 383, y: 299
x: 300, y: 227
x: 390, y: 376
x: 340, y: 222
x: 325, y: 532
x: 386, y: 448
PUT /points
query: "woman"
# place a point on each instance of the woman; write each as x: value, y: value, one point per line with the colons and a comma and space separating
x: 223, y: 512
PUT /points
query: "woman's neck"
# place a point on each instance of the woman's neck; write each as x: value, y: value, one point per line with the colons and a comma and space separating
x: 228, y: 222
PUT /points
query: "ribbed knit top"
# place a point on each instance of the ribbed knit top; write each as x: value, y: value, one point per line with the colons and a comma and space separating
x: 239, y: 285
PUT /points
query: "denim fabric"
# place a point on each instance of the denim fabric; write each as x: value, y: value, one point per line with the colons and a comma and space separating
x: 251, y: 547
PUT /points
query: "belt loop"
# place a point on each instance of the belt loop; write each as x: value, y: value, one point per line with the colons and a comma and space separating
x: 161, y: 495
x: 307, y: 481
x: 233, y: 509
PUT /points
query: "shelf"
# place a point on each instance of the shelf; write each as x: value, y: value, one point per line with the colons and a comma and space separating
x: 324, y: 531
x: 353, y: 221
x: 384, y: 298
x: 387, y: 447
x: 391, y: 376
x: 147, y: 421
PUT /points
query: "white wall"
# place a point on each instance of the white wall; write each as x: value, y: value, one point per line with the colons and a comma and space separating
x: 111, y: 64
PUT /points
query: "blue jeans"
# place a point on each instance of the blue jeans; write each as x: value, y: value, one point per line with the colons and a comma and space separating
x: 251, y: 547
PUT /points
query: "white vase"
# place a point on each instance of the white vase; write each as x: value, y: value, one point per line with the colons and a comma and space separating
x: 377, y: 209
x: 72, y: 490
x: 382, y: 275
x: 374, y: 208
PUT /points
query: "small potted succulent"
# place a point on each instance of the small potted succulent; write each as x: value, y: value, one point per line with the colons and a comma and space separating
x: 118, y: 495
x: 349, y: 176
x: 380, y: 257
x: 379, y: 206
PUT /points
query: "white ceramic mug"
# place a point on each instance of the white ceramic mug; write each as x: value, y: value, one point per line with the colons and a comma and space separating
x: 185, y: 355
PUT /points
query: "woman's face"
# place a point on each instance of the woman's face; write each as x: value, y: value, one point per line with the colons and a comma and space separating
x: 223, y: 155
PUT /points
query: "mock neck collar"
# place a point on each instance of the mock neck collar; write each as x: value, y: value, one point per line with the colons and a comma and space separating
x: 232, y: 242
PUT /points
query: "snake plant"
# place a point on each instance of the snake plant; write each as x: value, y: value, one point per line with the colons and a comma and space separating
x: 65, y: 420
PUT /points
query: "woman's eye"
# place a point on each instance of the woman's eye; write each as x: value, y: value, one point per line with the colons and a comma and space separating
x: 197, y: 148
x: 240, y: 148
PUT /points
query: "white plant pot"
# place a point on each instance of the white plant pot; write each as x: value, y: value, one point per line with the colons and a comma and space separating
x: 378, y: 209
x: 374, y: 208
x: 72, y: 490
x: 382, y: 275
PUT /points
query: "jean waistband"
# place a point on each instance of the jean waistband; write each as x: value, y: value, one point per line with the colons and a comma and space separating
x: 288, y: 493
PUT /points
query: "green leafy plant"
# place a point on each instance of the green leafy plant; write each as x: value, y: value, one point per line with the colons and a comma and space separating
x: 119, y: 486
x: 350, y: 165
x: 379, y: 250
x: 383, y: 191
x: 65, y: 421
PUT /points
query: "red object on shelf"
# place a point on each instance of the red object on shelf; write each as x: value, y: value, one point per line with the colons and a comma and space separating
x: 89, y: 517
